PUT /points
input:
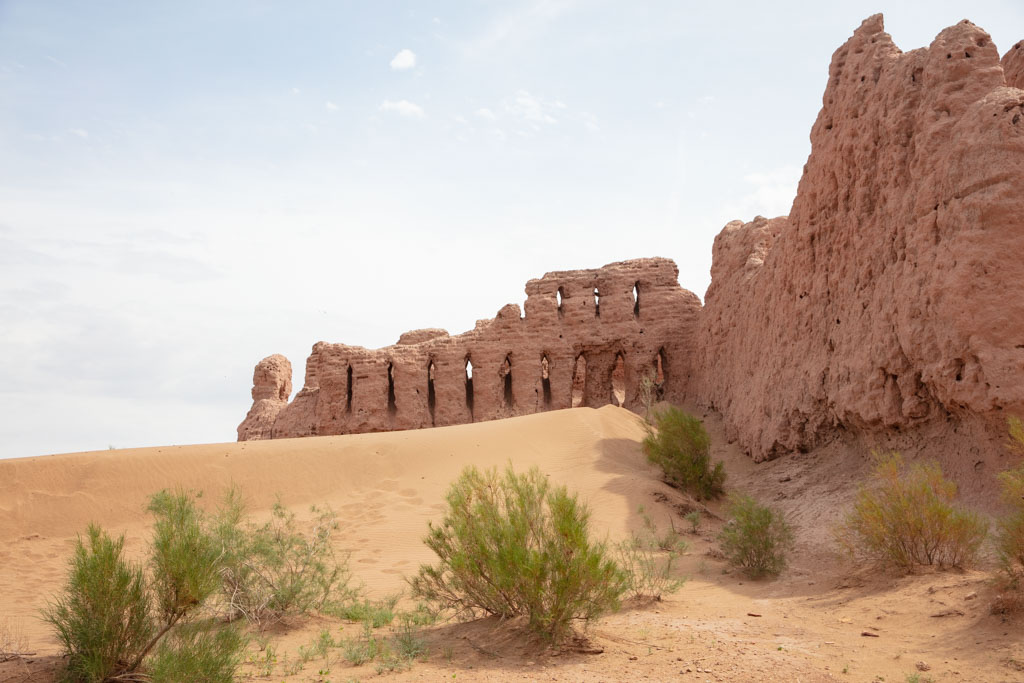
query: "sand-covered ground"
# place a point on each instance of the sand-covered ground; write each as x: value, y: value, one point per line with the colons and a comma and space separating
x: 823, y: 619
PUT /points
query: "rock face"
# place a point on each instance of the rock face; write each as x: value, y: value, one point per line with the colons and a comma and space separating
x: 891, y: 298
x: 892, y: 294
x: 588, y: 337
x: 271, y: 387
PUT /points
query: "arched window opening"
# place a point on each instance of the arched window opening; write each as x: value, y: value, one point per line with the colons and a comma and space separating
x: 392, y: 406
x: 348, y: 394
x: 559, y: 297
x: 636, y: 300
x: 545, y: 380
x: 469, y: 387
x: 506, y: 371
x: 619, y: 381
x: 579, y: 381
x: 597, y: 303
x: 431, y: 396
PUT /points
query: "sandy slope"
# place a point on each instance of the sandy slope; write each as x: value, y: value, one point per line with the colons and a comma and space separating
x: 387, y: 486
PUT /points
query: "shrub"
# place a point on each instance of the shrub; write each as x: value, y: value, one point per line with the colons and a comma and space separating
x: 103, y: 618
x: 199, y: 654
x: 1009, y: 537
x: 907, y: 518
x: 679, y: 444
x: 648, y: 560
x: 515, y: 545
x: 756, y: 538
x: 273, y: 570
x: 110, y: 618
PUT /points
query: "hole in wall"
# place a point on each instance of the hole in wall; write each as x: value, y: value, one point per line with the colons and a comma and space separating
x: 597, y: 303
x: 469, y: 387
x: 392, y: 406
x: 659, y: 367
x: 431, y: 396
x: 579, y: 381
x: 559, y: 297
x: 348, y: 390
x: 636, y: 300
x: 506, y: 370
x: 618, y: 397
x: 545, y: 381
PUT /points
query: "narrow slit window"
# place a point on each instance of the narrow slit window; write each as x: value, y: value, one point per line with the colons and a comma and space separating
x: 597, y: 303
x: 545, y: 380
x: 506, y: 370
x: 579, y: 381
x: 636, y: 300
x: 392, y: 405
x: 469, y: 387
x: 431, y: 396
x: 618, y: 393
x: 348, y: 390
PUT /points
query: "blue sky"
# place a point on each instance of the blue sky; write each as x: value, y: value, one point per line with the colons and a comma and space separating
x: 188, y: 187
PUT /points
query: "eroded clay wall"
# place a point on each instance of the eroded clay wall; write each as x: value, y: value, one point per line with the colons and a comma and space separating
x: 892, y: 294
x: 621, y: 323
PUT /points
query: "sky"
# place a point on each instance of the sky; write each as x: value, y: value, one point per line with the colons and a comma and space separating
x: 187, y: 187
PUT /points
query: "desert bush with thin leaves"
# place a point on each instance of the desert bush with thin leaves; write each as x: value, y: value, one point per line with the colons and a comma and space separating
x: 680, y: 445
x: 649, y: 560
x: 103, y: 618
x: 198, y: 653
x: 110, y: 617
x: 906, y: 518
x: 514, y: 545
x: 756, y: 538
x: 275, y: 570
x: 1009, y: 536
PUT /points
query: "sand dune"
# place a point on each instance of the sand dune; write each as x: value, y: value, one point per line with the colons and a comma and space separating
x: 384, y: 486
x: 807, y: 625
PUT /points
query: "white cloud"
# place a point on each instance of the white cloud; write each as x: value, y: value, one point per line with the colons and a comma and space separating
x: 461, y: 119
x: 295, y: 91
x: 331, y: 106
x: 590, y: 121
x: 485, y: 113
x: 531, y: 108
x: 80, y: 132
x: 402, y: 107
x: 405, y: 59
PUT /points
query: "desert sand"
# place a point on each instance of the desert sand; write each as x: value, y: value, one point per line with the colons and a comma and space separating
x: 807, y: 625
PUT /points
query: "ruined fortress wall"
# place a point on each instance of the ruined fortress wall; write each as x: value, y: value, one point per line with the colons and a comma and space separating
x: 586, y: 337
x: 890, y: 300
x: 892, y: 294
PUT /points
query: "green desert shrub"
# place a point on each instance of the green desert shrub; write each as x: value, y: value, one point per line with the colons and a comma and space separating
x: 756, y: 538
x: 111, y: 615
x: 514, y: 545
x: 103, y: 618
x: 1009, y: 536
x: 649, y: 559
x: 680, y: 445
x: 198, y: 653
x: 274, y: 570
x: 907, y: 518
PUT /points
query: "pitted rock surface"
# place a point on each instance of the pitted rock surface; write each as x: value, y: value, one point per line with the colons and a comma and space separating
x: 892, y: 294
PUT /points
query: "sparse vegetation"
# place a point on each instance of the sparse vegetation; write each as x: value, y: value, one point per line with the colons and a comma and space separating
x: 906, y: 518
x: 1009, y: 535
x: 693, y: 517
x: 515, y: 545
x: 756, y: 538
x: 274, y: 570
x: 109, y: 617
x: 649, y: 559
x: 377, y: 612
x: 13, y: 643
x: 680, y: 445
